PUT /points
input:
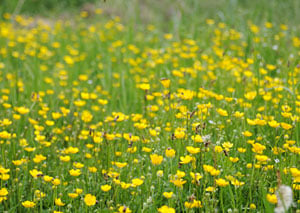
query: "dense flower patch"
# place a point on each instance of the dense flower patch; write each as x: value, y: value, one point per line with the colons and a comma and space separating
x: 102, y: 117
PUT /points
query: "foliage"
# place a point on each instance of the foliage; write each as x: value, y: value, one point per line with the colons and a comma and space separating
x: 110, y: 115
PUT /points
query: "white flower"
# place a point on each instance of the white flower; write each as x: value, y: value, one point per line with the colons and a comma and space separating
x: 284, y: 196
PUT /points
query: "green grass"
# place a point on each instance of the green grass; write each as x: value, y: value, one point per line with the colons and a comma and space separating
x: 90, y: 88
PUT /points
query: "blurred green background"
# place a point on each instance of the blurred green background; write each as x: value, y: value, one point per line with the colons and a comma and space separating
x: 168, y: 15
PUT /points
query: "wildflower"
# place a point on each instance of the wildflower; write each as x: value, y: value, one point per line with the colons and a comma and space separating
x: 170, y: 153
x: 75, y: 172
x: 72, y: 195
x: 22, y: 110
x: 124, y: 209
x: 35, y: 173
x: 168, y: 195
x: 197, y: 138
x: 144, y: 86
x: 66, y: 158
x: 286, y: 126
x: 160, y: 173
x: 28, y: 204
x: 3, y: 192
x: 137, y: 182
x: 156, y: 159
x: 56, y: 182
x: 272, y: 198
x: 179, y: 133
x: 90, y: 200
x: 210, y: 189
x: 186, y: 159
x: 39, y: 194
x: 196, y: 177
x: 252, y: 206
x: 227, y: 145
x: 193, y: 204
x: 105, y: 188
x: 178, y: 182
x: 58, y: 202
x: 39, y: 158
x: 166, y: 209
x: 250, y: 95
x: 78, y: 191
x: 222, y: 112
x: 258, y: 148
x: 165, y: 82
x: 92, y: 169
x: 247, y: 134
x: 192, y: 150
x: 221, y: 182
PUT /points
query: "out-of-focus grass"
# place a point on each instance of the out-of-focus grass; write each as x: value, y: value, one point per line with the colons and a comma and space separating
x: 170, y: 15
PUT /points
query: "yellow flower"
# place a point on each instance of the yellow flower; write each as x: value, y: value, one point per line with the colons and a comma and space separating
x: 22, y: 110
x: 105, y: 188
x: 124, y: 209
x: 156, y: 159
x: 273, y: 124
x: 168, y: 194
x: 86, y: 116
x: 28, y: 204
x: 234, y: 160
x: 92, y: 169
x: 222, y: 112
x: 120, y: 165
x: 178, y: 182
x: 166, y: 209
x: 78, y: 191
x: 179, y: 133
x: 78, y: 165
x: 247, y: 134
x: 72, y: 195
x: 196, y: 177
x: 258, y: 148
x: 193, y: 204
x: 144, y: 86
x: 160, y: 173
x: 58, y: 202
x: 192, y: 150
x: 39, y: 194
x: 272, y: 198
x: 165, y: 82
x: 66, y: 158
x: 186, y: 159
x: 69, y: 60
x: 218, y: 149
x: 252, y: 206
x: 222, y: 182
x: 250, y: 95
x: 262, y: 158
x: 56, y: 181
x: 3, y: 192
x: 210, y: 189
x: 39, y: 158
x: 170, y: 153
x: 90, y: 200
x: 197, y: 138
x: 286, y: 126
x: 146, y: 149
x: 75, y: 172
x: 35, y: 173
x: 137, y: 182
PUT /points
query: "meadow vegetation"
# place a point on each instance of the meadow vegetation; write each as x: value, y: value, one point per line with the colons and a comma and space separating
x: 179, y: 106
